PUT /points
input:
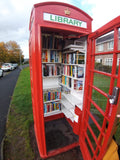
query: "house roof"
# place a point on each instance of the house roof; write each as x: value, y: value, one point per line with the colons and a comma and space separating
x: 106, y: 37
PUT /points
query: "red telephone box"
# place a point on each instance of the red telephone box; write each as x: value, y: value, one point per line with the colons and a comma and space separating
x: 69, y: 107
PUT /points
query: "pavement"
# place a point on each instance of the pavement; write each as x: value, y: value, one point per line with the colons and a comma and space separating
x: 7, y: 85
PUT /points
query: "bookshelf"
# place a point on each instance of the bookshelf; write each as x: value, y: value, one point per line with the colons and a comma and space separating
x: 51, y: 73
x: 63, y: 68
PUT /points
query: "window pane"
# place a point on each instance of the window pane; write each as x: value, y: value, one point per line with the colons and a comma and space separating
x: 119, y: 39
x: 118, y: 63
x: 104, y: 63
x: 105, y: 43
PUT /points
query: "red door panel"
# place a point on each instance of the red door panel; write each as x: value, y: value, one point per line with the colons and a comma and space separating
x: 101, y: 95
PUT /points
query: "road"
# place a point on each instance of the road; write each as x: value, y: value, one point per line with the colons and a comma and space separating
x: 7, y: 85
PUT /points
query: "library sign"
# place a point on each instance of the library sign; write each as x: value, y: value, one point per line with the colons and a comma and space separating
x: 64, y: 20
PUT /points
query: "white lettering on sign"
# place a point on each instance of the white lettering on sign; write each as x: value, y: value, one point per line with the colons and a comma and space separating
x: 64, y: 20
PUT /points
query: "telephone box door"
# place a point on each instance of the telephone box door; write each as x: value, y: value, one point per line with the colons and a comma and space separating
x: 101, y: 96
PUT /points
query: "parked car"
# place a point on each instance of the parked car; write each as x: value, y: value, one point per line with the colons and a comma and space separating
x: 1, y: 73
x: 7, y: 67
x: 15, y: 65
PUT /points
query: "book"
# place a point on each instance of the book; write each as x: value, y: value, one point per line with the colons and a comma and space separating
x: 51, y: 41
x: 70, y: 84
x: 74, y: 58
x: 52, y: 94
x: 60, y: 57
x: 71, y: 71
x: 78, y: 85
x: 80, y: 72
x: 45, y: 108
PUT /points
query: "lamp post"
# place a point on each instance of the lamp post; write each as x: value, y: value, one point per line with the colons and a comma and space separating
x: 20, y: 58
x: 20, y: 61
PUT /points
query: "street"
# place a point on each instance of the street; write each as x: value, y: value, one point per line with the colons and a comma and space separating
x: 7, y: 85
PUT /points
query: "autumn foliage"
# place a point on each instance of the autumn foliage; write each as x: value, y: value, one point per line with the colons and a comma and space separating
x: 10, y: 52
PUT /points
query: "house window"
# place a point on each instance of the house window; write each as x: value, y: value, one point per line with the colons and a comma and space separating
x: 108, y: 61
x: 98, y: 60
x: 110, y: 45
x: 100, y: 47
x: 118, y: 61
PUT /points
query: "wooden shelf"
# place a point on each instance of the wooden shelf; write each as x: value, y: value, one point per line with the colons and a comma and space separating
x: 79, y: 65
x: 51, y: 87
x: 52, y: 49
x: 57, y: 76
x: 82, y: 78
x: 52, y: 113
x: 51, y: 62
x: 73, y: 100
x: 65, y: 86
x: 68, y: 114
x: 55, y: 100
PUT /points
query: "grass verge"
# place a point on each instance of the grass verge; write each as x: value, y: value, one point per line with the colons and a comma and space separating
x: 17, y: 141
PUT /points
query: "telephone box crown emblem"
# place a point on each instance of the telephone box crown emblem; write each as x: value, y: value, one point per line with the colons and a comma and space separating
x: 67, y: 11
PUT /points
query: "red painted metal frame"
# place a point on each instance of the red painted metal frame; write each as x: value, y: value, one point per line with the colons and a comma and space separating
x: 105, y: 134
x: 37, y: 24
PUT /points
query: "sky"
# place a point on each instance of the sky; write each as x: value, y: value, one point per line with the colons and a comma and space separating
x: 15, y: 15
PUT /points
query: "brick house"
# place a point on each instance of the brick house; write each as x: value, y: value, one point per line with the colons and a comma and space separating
x: 104, y: 44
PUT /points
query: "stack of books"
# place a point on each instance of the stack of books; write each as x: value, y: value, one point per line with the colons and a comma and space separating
x: 51, y: 95
x: 78, y: 85
x: 51, y: 69
x: 49, y: 107
x: 73, y: 58
x: 67, y: 81
x: 73, y: 71
x: 52, y: 42
x: 52, y: 56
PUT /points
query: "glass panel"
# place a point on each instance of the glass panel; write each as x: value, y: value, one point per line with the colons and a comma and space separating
x: 105, y: 42
x: 102, y: 82
x: 118, y: 63
x: 117, y: 134
x: 119, y: 39
x: 99, y: 99
x: 91, y: 138
x: 104, y: 63
x: 89, y: 148
x: 94, y: 127
x: 96, y: 114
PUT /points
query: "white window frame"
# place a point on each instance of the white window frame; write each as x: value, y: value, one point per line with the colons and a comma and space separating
x: 108, y: 61
x: 110, y: 45
x: 98, y: 60
x: 118, y: 60
x: 100, y: 47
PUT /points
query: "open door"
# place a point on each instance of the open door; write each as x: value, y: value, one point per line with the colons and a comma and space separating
x: 101, y: 96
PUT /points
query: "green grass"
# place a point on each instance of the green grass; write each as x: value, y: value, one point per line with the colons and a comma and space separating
x: 17, y: 141
x: 102, y: 82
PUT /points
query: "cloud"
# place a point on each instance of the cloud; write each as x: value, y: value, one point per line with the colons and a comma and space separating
x: 14, y: 21
x: 15, y: 14
x: 103, y: 11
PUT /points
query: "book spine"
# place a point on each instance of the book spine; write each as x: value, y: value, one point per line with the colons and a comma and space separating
x: 73, y: 58
x: 49, y: 96
x: 45, y: 108
x: 75, y: 70
x: 48, y: 51
x: 60, y: 57
x: 71, y: 71
x: 77, y: 58
x: 80, y: 72
x: 70, y: 59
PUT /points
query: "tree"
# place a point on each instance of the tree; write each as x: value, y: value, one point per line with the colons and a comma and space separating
x: 14, y: 52
x: 4, y: 57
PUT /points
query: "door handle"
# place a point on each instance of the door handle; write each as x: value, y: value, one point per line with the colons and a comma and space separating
x: 114, y: 97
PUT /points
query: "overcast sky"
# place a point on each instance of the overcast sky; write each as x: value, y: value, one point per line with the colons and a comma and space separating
x: 15, y: 14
